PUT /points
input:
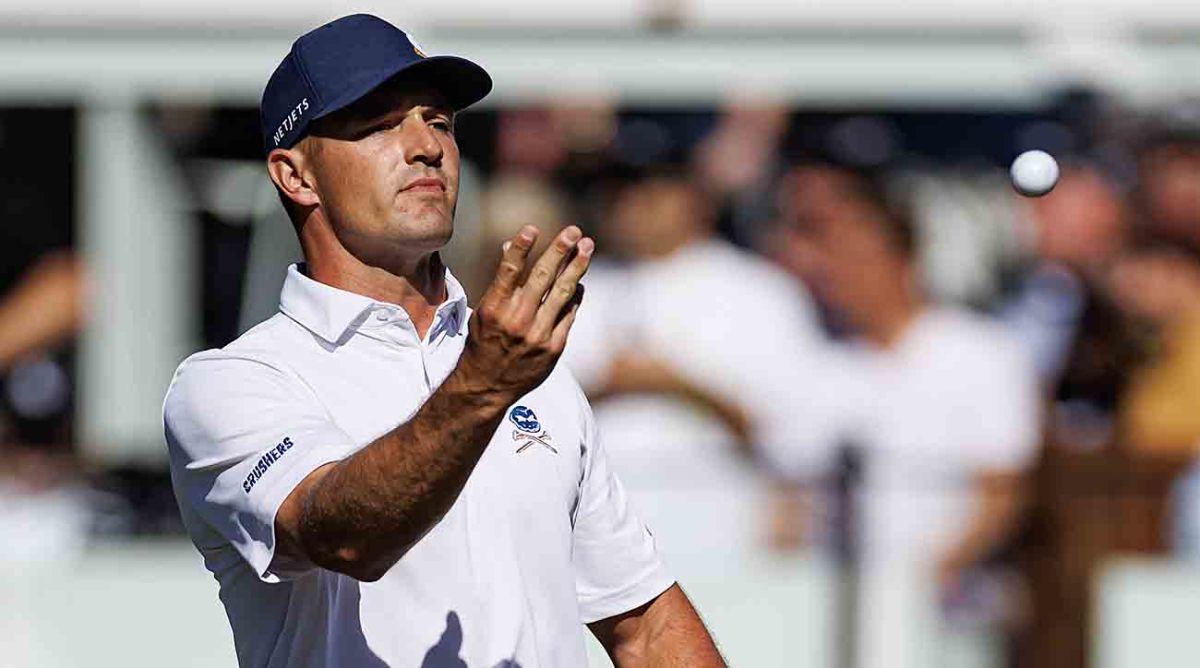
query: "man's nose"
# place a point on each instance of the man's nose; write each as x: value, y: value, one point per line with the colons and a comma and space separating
x: 419, y: 143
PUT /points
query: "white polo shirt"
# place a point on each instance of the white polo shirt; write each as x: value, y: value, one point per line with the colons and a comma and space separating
x: 540, y: 541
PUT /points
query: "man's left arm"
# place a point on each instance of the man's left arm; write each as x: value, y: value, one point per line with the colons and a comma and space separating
x: 626, y: 597
x: 667, y: 631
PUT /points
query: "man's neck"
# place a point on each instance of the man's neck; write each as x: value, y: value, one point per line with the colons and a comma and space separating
x: 891, y: 316
x: 416, y: 284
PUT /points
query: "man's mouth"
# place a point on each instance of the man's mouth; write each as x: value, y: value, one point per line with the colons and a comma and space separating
x: 425, y: 184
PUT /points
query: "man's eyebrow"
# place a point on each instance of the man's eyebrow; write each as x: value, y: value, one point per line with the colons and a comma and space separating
x: 373, y: 113
x: 439, y: 108
x: 404, y: 110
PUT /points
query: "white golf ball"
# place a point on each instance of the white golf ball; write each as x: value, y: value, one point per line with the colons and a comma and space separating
x: 1034, y: 173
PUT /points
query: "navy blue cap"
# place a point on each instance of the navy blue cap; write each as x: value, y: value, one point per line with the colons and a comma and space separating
x: 335, y: 65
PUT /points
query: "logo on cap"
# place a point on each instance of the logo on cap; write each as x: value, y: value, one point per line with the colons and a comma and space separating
x: 417, y: 48
x: 290, y: 121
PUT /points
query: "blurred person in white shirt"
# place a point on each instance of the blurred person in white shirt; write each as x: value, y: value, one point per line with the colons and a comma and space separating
x: 682, y: 347
x: 942, y: 404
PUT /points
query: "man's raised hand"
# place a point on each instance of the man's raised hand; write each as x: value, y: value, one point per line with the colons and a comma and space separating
x: 519, y: 330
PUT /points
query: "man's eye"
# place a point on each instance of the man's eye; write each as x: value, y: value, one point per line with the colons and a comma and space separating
x: 441, y: 124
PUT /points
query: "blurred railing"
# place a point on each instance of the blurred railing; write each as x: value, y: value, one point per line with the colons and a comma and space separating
x: 1089, y: 508
x: 132, y: 603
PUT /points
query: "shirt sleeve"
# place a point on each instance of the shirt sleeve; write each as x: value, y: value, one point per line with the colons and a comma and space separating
x: 242, y: 433
x: 617, y: 565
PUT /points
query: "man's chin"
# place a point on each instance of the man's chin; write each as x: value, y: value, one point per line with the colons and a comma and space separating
x: 425, y: 235
x: 401, y: 240
x: 432, y: 236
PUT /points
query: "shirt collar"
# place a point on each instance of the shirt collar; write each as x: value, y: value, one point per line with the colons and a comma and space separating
x: 455, y: 305
x: 331, y: 312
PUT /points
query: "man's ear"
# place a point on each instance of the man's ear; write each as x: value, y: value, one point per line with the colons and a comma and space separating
x: 289, y: 170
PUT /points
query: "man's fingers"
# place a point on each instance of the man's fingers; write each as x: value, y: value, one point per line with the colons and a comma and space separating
x: 512, y: 264
x: 576, y: 299
x: 565, y: 288
x: 558, y: 338
x: 546, y: 269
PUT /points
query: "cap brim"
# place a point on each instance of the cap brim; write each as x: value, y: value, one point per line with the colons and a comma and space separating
x: 461, y: 81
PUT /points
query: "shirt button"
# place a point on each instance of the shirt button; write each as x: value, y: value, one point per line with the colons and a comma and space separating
x: 381, y: 316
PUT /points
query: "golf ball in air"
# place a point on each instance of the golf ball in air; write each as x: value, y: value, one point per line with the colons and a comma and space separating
x: 1034, y: 173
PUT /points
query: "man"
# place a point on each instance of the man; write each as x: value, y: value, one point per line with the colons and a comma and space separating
x: 373, y: 480
x: 943, y: 404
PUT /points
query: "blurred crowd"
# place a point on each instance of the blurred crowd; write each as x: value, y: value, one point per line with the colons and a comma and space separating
x: 823, y: 342
x: 767, y: 325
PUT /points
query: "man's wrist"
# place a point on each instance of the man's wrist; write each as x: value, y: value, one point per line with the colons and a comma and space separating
x: 463, y: 390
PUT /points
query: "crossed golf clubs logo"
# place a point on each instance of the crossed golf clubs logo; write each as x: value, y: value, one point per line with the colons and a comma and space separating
x: 529, y: 431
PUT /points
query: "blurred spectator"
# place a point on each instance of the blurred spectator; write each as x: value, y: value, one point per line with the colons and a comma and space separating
x: 570, y: 147
x: 528, y: 142
x: 1169, y: 188
x: 686, y: 349
x: 587, y: 129
x: 43, y: 310
x: 1076, y: 230
x: 1158, y: 412
x: 43, y: 513
x: 941, y: 403
x: 507, y: 203
x: 1060, y: 309
x: 1159, y: 285
x: 41, y: 495
x: 567, y: 141
x: 739, y: 164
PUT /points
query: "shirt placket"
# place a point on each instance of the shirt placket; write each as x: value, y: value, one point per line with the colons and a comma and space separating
x: 442, y: 325
x: 425, y: 349
x: 393, y: 326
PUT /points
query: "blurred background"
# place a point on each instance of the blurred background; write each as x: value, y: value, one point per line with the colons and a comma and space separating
x: 878, y: 409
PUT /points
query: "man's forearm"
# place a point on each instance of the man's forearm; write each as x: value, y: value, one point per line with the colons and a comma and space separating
x: 663, y: 633
x: 370, y: 508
